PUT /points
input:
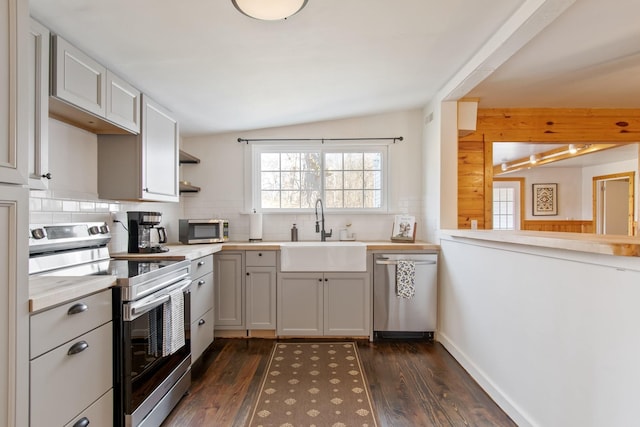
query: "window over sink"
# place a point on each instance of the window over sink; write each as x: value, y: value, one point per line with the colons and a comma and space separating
x: 292, y: 177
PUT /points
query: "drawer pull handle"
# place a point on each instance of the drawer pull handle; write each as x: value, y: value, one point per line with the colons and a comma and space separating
x: 77, y: 308
x: 78, y: 347
x: 201, y: 282
x: 82, y: 422
x: 201, y: 322
x: 200, y: 263
x: 260, y: 254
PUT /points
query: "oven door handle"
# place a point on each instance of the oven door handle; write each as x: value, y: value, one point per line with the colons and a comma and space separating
x: 138, y: 308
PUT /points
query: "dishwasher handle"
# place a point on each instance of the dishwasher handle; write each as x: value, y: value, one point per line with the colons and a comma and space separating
x: 389, y: 262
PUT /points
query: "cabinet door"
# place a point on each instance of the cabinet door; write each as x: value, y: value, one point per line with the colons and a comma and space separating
x: 123, y: 103
x: 159, y: 153
x: 14, y: 333
x: 229, y: 291
x: 201, y: 295
x: 77, y: 78
x: 38, y: 83
x: 13, y: 91
x: 201, y: 334
x: 300, y: 304
x: 261, y: 297
x: 347, y: 306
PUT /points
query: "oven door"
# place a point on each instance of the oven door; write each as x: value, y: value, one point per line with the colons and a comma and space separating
x: 146, y: 374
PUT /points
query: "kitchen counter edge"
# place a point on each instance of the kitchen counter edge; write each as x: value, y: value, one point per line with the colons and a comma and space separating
x: 49, y: 291
x: 628, y: 246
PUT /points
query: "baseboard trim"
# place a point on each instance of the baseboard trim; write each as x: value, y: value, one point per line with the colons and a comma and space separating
x: 491, y: 388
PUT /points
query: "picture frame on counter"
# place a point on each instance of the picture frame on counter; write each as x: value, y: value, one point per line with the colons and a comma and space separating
x: 404, y: 229
x: 545, y: 199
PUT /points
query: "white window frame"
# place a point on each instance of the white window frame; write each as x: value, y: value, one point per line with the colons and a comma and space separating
x: 252, y: 162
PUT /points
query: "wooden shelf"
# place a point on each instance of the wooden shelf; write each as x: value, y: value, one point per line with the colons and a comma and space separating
x: 188, y: 158
x: 188, y: 188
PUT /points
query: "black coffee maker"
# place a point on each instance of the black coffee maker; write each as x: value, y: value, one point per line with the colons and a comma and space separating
x: 140, y: 225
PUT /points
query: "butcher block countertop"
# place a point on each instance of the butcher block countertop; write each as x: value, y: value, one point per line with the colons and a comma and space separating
x: 179, y: 251
x: 49, y: 291
x: 583, y: 242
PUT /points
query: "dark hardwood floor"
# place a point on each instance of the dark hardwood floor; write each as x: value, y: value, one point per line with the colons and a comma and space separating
x: 413, y: 383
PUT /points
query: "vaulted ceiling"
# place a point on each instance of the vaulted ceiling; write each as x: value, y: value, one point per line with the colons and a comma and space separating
x: 221, y: 71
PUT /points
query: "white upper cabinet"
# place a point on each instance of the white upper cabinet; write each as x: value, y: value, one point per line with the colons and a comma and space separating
x: 123, y: 103
x: 144, y: 166
x: 87, y: 95
x: 160, y: 142
x: 38, y: 99
x: 13, y: 91
x: 77, y: 78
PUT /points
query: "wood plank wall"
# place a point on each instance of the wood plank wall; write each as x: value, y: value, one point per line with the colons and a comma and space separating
x: 531, y: 125
x: 569, y: 226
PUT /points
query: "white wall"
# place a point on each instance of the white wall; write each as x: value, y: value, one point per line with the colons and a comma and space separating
x: 73, y: 190
x: 221, y: 175
x: 589, y: 172
x: 569, y: 195
x: 551, y: 335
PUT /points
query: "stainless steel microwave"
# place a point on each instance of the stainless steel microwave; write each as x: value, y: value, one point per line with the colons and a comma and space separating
x: 193, y: 231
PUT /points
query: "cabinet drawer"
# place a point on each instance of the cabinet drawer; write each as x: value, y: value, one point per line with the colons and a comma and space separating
x: 50, y: 328
x: 261, y: 258
x: 63, y: 384
x: 201, y: 295
x: 99, y: 414
x: 201, y: 334
x: 201, y: 266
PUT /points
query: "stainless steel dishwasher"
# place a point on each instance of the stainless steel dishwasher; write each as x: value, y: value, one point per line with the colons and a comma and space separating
x: 397, y: 317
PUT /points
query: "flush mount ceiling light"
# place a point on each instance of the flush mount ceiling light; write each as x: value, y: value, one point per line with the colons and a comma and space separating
x: 269, y: 10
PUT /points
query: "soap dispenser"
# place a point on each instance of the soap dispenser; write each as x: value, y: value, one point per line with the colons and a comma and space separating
x: 294, y: 233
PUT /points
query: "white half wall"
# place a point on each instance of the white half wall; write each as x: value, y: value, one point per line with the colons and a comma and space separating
x: 551, y: 335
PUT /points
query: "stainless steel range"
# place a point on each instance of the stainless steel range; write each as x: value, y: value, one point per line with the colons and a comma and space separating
x: 151, y: 316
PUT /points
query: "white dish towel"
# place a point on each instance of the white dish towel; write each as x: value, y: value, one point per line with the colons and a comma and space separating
x: 173, y: 328
x: 405, y: 279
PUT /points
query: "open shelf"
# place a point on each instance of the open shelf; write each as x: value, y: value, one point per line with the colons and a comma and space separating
x: 188, y: 158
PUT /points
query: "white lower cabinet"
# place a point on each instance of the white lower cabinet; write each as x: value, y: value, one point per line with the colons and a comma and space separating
x: 71, y: 376
x: 323, y: 304
x: 260, y: 285
x: 229, y: 291
x: 202, y: 297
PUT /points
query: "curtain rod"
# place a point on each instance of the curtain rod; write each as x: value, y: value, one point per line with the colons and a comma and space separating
x: 322, y: 140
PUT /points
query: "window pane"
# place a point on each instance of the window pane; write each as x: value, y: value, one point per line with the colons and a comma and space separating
x: 353, y: 199
x: 372, y: 199
x: 353, y: 161
x: 372, y: 161
x: 333, y: 161
x: 310, y: 162
x: 270, y: 199
x: 333, y: 199
x: 270, y: 180
x: 290, y: 199
x: 290, y: 161
x: 311, y: 180
x: 270, y: 161
x: 308, y: 198
x: 372, y: 180
x: 353, y: 180
x: 333, y: 180
x: 290, y: 181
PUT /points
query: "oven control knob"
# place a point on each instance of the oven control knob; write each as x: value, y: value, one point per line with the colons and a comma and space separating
x: 104, y: 229
x: 94, y: 230
x: 37, y: 233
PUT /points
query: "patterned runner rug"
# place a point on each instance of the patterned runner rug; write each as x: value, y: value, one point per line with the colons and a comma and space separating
x: 313, y: 384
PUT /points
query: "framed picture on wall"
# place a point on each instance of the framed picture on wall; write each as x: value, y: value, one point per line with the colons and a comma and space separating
x: 545, y: 199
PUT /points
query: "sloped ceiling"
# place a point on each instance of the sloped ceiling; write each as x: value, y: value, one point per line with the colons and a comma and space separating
x: 221, y: 71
